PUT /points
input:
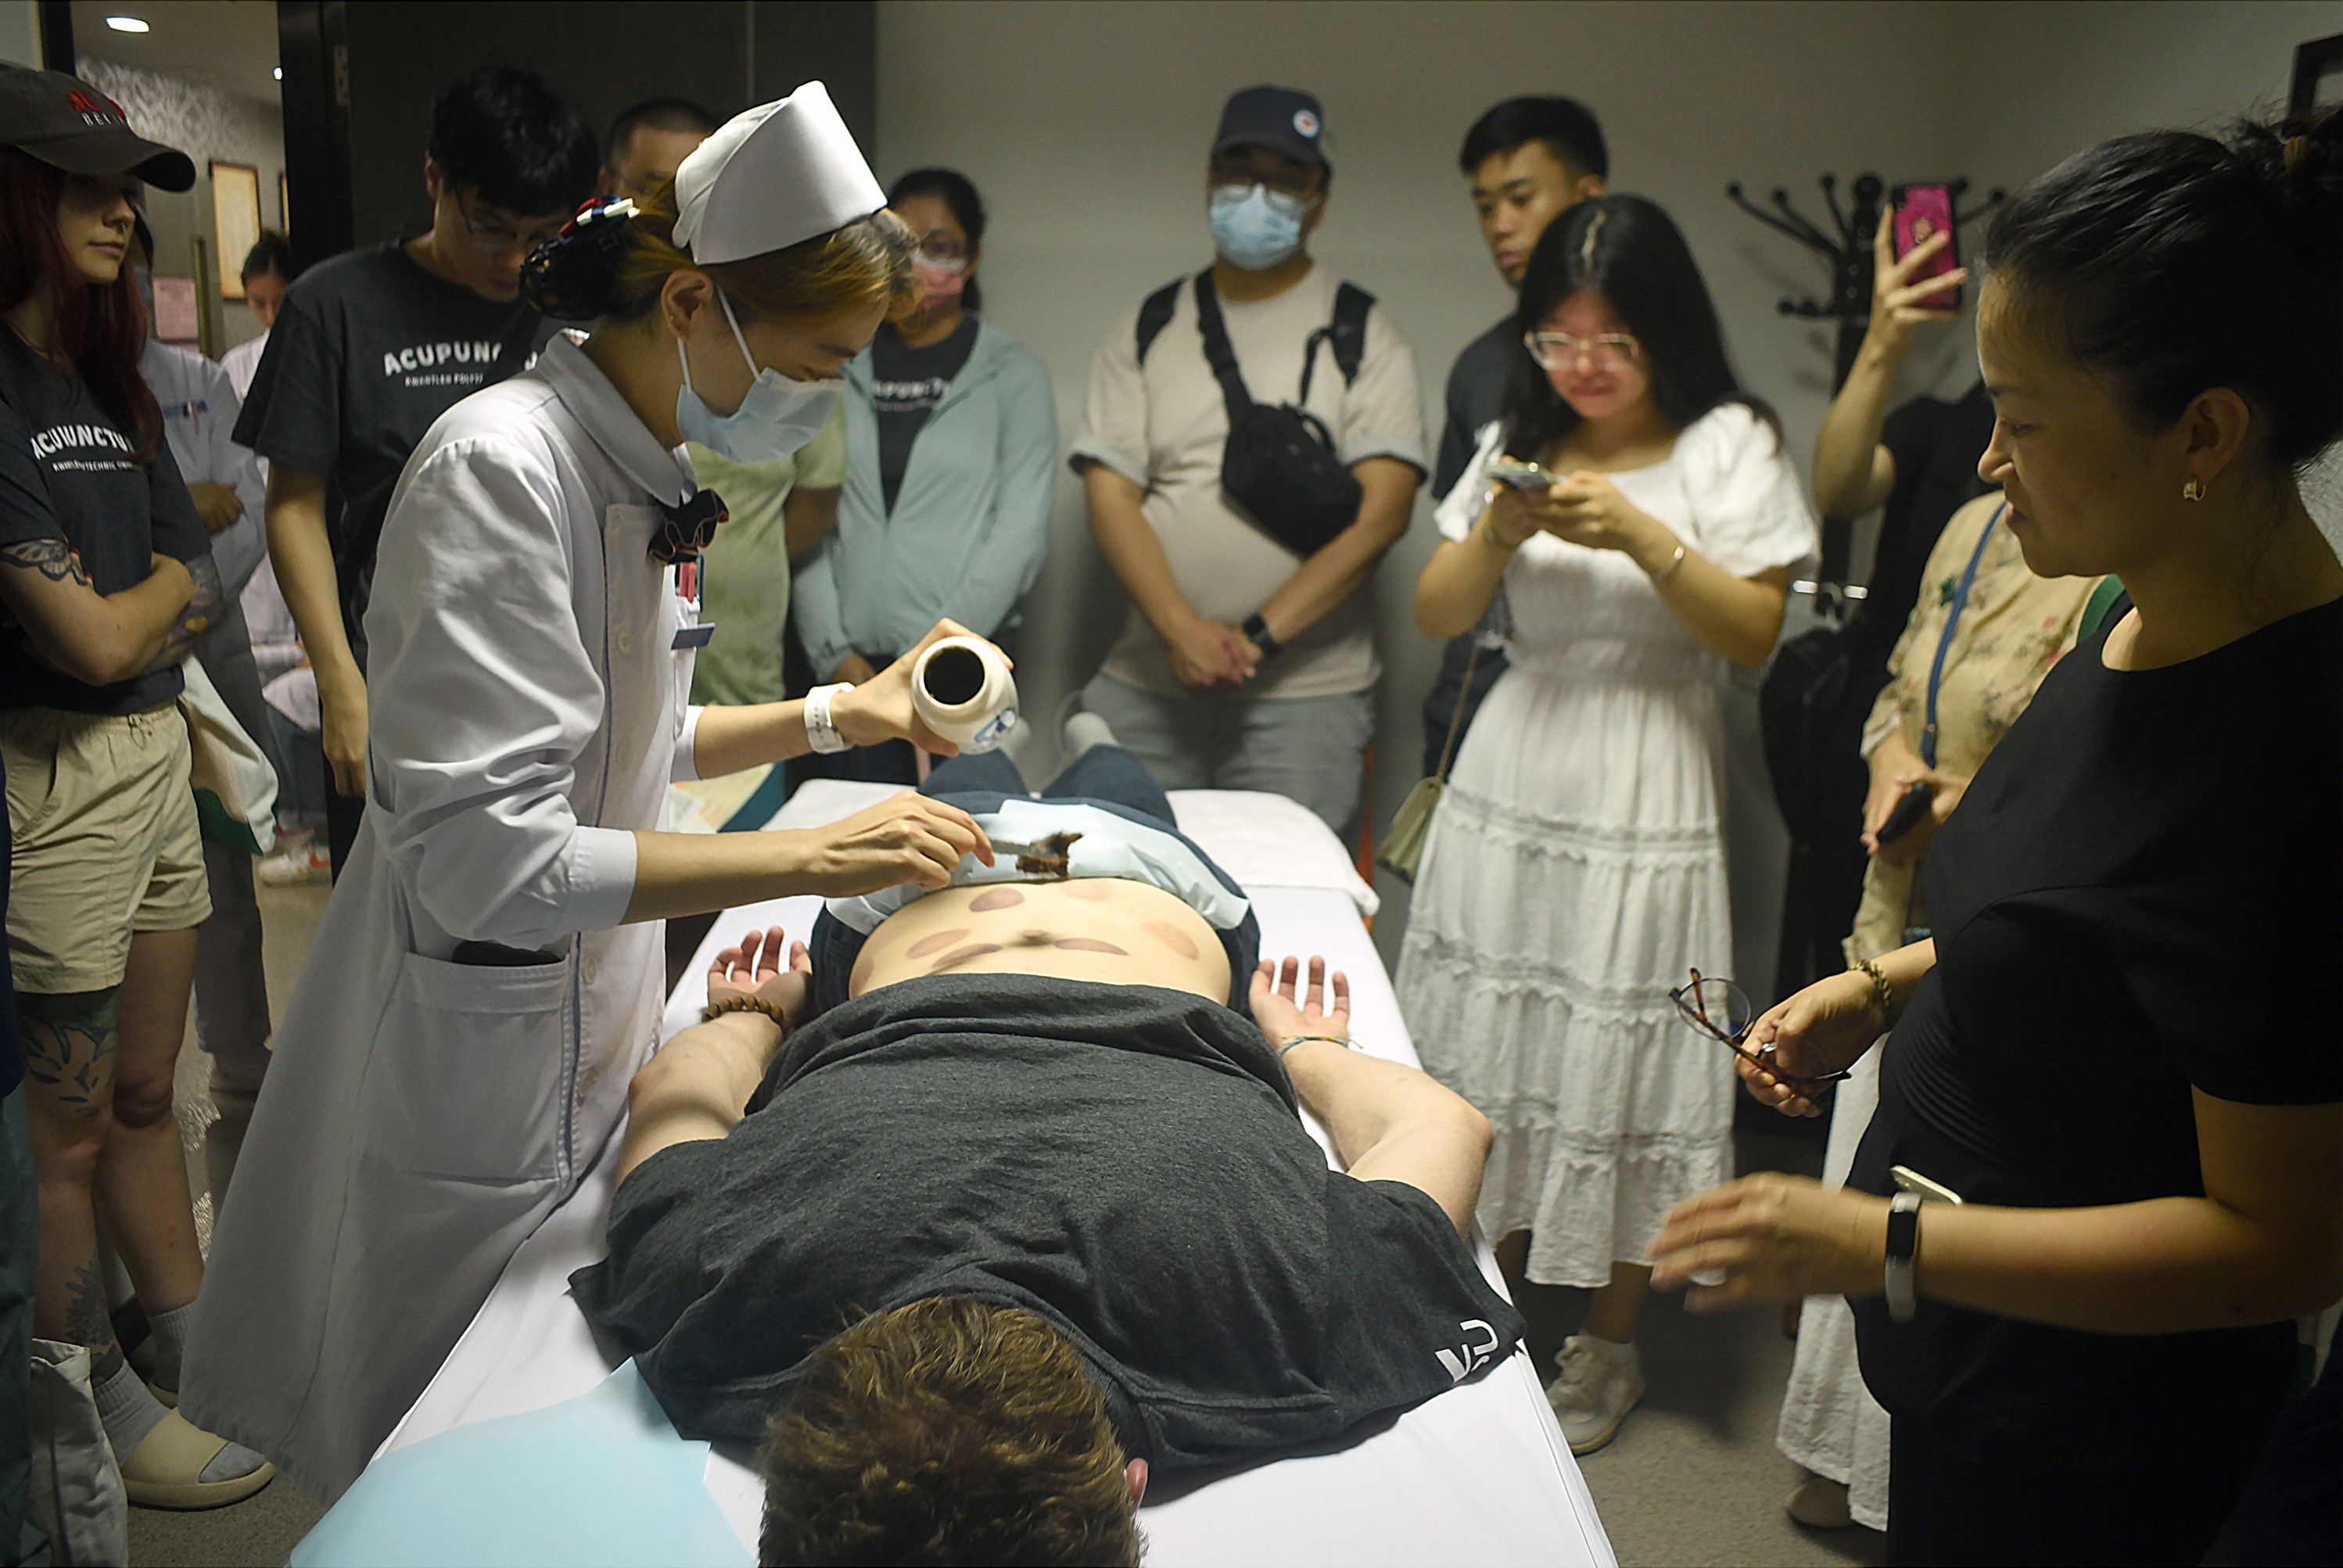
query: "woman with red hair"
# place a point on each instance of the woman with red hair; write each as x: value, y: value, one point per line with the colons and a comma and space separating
x: 106, y: 577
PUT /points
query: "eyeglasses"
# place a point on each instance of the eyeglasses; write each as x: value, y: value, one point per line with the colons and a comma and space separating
x: 1720, y: 1009
x: 497, y: 239
x: 1302, y: 189
x: 939, y: 248
x: 1555, y: 350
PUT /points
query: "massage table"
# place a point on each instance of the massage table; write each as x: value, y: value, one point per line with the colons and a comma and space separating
x: 1479, y: 1474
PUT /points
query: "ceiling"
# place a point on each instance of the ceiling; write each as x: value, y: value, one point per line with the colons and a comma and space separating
x: 226, y: 43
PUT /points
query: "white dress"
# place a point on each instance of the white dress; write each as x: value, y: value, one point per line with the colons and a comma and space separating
x: 1575, y: 869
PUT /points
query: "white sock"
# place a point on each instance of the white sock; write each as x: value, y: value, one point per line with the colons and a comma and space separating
x: 1611, y: 1350
x: 170, y: 1331
x: 127, y: 1409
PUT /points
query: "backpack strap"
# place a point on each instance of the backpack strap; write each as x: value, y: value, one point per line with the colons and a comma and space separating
x: 1155, y: 315
x: 1218, y: 354
x: 1349, y: 332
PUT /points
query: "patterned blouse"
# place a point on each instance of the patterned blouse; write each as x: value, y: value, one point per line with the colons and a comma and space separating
x: 2015, y: 627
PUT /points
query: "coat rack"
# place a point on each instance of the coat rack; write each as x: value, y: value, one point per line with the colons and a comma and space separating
x: 1849, y: 255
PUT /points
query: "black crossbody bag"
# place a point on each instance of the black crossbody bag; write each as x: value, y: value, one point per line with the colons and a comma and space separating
x: 1279, y: 465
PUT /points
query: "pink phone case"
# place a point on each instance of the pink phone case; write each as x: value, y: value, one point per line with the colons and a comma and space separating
x: 1922, y: 212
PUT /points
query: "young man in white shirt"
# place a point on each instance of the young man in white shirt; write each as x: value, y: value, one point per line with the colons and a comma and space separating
x: 1247, y: 662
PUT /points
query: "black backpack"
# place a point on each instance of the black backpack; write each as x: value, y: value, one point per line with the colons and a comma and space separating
x: 1279, y: 465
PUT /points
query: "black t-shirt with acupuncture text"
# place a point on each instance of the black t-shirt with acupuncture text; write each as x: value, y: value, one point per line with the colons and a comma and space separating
x: 1124, y: 1160
x: 2140, y: 897
x: 905, y: 385
x: 69, y: 470
x: 369, y: 349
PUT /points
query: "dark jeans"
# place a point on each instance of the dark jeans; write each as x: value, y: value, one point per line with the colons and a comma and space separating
x: 1106, y: 777
x: 19, y: 1246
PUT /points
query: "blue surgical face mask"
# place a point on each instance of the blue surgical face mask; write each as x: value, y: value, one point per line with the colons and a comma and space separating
x: 778, y: 416
x: 1254, y: 227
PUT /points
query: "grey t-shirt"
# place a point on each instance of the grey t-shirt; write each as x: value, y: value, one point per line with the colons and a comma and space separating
x: 1162, y: 424
x: 368, y: 351
x: 1124, y: 1160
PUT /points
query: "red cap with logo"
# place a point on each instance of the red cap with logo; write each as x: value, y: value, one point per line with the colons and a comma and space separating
x: 69, y: 124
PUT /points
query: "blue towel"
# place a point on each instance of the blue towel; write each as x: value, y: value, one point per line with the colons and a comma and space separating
x: 601, y: 1479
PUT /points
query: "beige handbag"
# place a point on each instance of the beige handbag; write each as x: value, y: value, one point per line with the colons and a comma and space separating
x: 1402, y: 848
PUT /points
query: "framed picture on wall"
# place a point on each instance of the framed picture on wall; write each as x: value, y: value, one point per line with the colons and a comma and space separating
x: 2318, y: 75
x: 284, y: 205
x: 236, y: 217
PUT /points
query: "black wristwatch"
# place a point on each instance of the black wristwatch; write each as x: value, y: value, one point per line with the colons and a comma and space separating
x: 1258, y: 630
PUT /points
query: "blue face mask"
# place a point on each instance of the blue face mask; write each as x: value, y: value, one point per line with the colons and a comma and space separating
x: 1254, y: 227
x: 778, y: 416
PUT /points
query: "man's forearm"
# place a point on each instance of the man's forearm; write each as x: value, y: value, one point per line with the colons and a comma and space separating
x: 303, y: 555
x: 1334, y: 572
x: 698, y: 1087
x: 1131, y: 548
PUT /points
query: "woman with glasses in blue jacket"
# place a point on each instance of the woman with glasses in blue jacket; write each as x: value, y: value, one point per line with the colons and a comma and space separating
x: 951, y: 444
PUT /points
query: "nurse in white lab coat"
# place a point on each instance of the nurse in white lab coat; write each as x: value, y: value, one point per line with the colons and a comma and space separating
x: 490, y: 973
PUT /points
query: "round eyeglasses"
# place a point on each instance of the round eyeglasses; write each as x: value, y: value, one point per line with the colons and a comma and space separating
x: 1560, y: 350
x: 496, y: 239
x: 1719, y: 1008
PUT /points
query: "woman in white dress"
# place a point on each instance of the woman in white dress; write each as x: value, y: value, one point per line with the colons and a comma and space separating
x: 1575, y: 869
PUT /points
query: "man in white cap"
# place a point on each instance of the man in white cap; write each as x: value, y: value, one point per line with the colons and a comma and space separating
x: 491, y: 970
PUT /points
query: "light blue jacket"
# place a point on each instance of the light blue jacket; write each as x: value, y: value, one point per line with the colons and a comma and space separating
x: 972, y: 521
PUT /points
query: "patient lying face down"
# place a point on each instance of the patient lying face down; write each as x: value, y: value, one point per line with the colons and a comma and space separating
x: 1017, y: 1217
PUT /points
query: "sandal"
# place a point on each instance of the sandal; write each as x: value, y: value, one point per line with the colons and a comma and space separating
x: 177, y: 1464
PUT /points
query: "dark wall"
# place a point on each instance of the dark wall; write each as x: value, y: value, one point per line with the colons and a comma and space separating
x: 726, y: 54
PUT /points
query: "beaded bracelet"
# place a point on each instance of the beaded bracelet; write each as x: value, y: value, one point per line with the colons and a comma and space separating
x: 1299, y: 1038
x: 747, y: 1002
x: 1883, y: 995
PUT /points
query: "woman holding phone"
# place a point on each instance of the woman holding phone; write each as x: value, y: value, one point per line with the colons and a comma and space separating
x: 2114, y: 1048
x: 490, y: 973
x: 1576, y: 867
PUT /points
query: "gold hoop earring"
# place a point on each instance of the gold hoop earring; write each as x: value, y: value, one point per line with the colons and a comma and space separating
x: 2194, y: 490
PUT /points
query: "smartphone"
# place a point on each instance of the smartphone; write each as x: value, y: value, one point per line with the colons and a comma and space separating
x: 1521, y: 476
x: 1909, y: 809
x: 1910, y: 1181
x: 1922, y: 213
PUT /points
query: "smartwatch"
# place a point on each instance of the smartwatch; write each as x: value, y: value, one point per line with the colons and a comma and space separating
x: 1257, y: 629
x: 1903, y: 1256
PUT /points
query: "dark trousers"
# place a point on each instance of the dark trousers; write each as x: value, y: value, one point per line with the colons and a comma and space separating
x: 19, y: 1248
x: 1943, y: 1507
x: 1106, y: 777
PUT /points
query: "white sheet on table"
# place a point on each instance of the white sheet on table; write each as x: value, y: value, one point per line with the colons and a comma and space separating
x: 1479, y: 1474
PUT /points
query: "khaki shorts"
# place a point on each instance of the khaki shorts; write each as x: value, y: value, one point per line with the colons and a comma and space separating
x: 104, y: 822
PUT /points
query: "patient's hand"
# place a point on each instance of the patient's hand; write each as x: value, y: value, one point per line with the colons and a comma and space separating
x: 754, y: 968
x: 1321, y: 1007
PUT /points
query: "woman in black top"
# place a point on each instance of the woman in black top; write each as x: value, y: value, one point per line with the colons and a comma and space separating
x: 105, y: 578
x: 2120, y: 1049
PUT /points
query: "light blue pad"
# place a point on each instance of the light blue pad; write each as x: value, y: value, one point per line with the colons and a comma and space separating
x: 601, y: 1479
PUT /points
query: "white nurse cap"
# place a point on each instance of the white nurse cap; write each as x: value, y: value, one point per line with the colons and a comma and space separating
x: 774, y: 176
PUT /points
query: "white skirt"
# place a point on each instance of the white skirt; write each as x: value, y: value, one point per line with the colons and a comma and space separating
x: 1573, y: 874
x: 1830, y: 1422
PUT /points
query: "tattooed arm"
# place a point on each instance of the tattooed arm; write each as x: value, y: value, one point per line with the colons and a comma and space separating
x: 200, y: 616
x: 97, y: 639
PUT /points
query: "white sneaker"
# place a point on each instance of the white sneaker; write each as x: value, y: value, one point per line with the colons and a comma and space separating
x: 1083, y: 730
x: 305, y: 863
x: 1593, y: 1390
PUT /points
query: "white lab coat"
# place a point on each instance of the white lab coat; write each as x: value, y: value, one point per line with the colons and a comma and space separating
x: 423, y: 1116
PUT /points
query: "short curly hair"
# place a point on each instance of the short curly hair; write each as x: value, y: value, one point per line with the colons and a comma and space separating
x: 949, y: 1430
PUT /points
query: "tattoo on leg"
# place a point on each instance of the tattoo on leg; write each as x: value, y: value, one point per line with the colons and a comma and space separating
x: 88, y: 1322
x: 53, y: 559
x: 69, y: 1045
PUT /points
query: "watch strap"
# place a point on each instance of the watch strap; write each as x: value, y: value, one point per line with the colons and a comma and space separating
x: 1903, y: 1256
x: 1256, y: 628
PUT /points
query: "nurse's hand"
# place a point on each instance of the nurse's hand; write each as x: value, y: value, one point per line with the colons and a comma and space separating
x: 1772, y: 1238
x: 1821, y: 1029
x: 908, y: 838
x: 754, y: 968
x: 881, y: 707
